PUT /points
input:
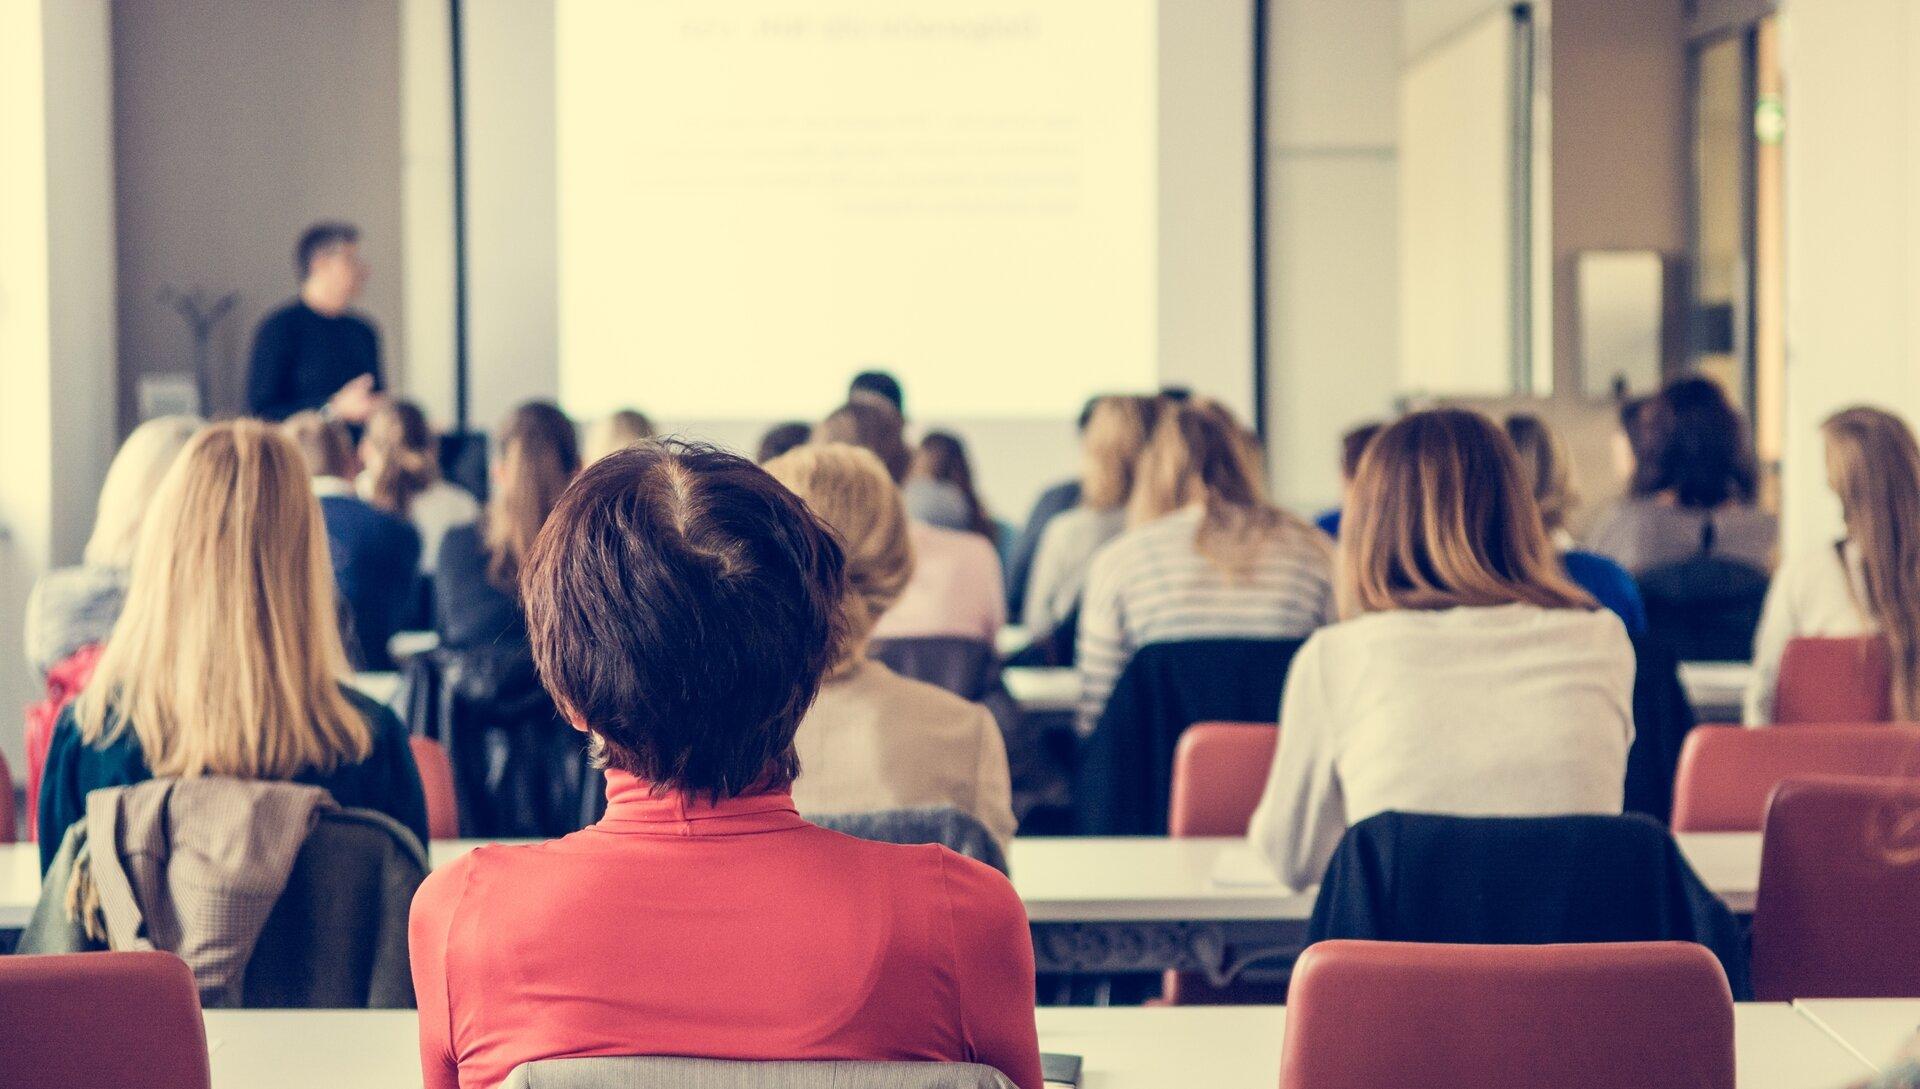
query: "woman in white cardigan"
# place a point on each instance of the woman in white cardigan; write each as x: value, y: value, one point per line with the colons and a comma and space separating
x: 1869, y: 581
x: 875, y: 740
x: 1471, y: 677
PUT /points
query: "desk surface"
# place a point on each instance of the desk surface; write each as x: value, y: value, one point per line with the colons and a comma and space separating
x: 1101, y: 880
x: 1877, y: 1029
x: 1220, y: 1047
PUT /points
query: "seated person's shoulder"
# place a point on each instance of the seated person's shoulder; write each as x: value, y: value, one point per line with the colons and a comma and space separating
x: 984, y: 901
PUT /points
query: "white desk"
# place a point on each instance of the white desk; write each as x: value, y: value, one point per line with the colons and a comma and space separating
x: 1215, y: 1047
x: 1043, y: 688
x: 1876, y: 1029
x: 1095, y: 880
x: 1717, y: 690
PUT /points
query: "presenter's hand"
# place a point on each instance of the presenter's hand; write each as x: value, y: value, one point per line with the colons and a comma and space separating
x: 355, y: 401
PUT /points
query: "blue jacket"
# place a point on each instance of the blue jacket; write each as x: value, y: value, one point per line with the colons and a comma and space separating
x: 376, y: 560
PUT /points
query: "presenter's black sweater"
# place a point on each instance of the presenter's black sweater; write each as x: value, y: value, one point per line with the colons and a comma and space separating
x: 301, y: 358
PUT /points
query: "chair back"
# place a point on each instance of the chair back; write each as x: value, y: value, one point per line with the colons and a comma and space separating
x: 950, y: 828
x: 1727, y: 773
x: 1705, y: 609
x: 436, y: 779
x: 968, y: 668
x: 678, y: 1073
x: 1654, y: 1015
x: 1835, y: 680
x: 102, y: 1020
x: 1219, y: 773
x: 1839, y: 875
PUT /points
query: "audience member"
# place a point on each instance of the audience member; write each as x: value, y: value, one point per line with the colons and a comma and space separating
x: 781, y: 438
x: 1472, y: 678
x: 476, y: 583
x: 73, y: 607
x: 1352, y: 445
x: 875, y: 740
x: 615, y: 432
x: 226, y: 659
x: 1205, y: 555
x: 376, y: 555
x: 939, y: 489
x: 401, y: 475
x: 879, y: 388
x: 313, y: 354
x: 1053, y: 502
x: 1111, y: 444
x: 955, y: 589
x: 1869, y: 580
x: 1547, y: 471
x: 1693, y: 487
x: 684, y: 608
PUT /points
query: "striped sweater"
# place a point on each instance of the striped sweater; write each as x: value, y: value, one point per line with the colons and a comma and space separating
x: 1151, y: 585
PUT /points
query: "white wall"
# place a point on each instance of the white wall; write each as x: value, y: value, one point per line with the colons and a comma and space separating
x: 1853, y: 230
x: 56, y: 303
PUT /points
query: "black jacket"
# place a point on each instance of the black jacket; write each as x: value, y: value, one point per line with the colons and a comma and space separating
x: 1126, y: 768
x: 1521, y: 880
x: 1662, y: 717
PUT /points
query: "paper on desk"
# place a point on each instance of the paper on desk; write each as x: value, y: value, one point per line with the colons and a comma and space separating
x: 1240, y: 866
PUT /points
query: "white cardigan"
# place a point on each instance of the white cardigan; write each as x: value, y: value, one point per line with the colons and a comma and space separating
x: 1511, y: 710
x: 1811, y: 595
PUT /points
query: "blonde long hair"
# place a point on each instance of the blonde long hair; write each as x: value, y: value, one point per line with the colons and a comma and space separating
x: 1442, y: 516
x: 849, y: 489
x: 1200, y: 454
x: 132, y: 479
x: 1873, y: 465
x: 539, y: 455
x: 227, y: 658
x: 398, y: 453
x: 1117, y: 433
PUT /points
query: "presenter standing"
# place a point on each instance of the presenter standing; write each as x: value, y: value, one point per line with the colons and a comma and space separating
x: 312, y: 353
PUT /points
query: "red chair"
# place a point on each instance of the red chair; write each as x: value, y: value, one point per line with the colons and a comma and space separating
x: 1653, y: 1015
x: 436, y: 779
x: 1839, y: 875
x: 9, y: 828
x: 1219, y: 772
x: 1727, y: 773
x: 1834, y: 680
x: 102, y: 1020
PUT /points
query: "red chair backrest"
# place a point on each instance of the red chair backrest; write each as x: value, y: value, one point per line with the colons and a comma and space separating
x: 436, y: 779
x: 64, y: 682
x: 1727, y: 773
x: 1219, y: 772
x: 1653, y: 1015
x: 1834, y: 680
x: 102, y: 1020
x: 1839, y: 876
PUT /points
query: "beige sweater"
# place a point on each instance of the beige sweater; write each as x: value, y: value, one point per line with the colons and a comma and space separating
x: 875, y: 740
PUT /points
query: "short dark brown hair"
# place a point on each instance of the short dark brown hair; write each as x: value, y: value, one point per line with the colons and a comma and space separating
x: 684, y: 606
x: 1353, y: 445
x: 874, y: 427
x: 324, y: 443
x: 318, y: 239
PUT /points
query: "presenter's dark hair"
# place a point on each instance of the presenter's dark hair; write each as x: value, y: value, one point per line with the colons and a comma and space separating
x: 318, y: 239
x: 684, y: 606
x: 882, y: 385
x: 1693, y: 444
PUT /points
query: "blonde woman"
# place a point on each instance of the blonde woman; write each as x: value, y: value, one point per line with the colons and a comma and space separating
x: 1205, y: 555
x: 401, y: 475
x: 1469, y: 676
x: 1869, y: 580
x: 875, y: 740
x: 74, y: 607
x: 613, y: 433
x: 1116, y: 434
x: 226, y: 659
x: 1547, y: 469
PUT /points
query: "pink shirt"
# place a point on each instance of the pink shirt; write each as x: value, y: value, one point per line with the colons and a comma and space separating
x: 955, y: 589
x: 729, y: 931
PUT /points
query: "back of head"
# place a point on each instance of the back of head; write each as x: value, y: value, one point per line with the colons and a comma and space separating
x: 878, y: 387
x: 942, y: 457
x: 781, y: 438
x: 320, y: 239
x: 616, y: 432
x: 226, y: 659
x: 539, y: 455
x: 848, y: 489
x: 398, y: 449
x: 1353, y: 445
x: 1544, y: 466
x: 874, y: 427
x: 1441, y: 516
x: 1874, y: 467
x: 1199, y: 454
x: 1693, y: 445
x: 683, y: 607
x: 132, y: 479
x: 1114, y: 438
x: 324, y: 444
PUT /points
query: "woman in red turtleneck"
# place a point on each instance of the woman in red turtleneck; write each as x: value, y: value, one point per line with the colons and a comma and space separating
x: 683, y: 607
